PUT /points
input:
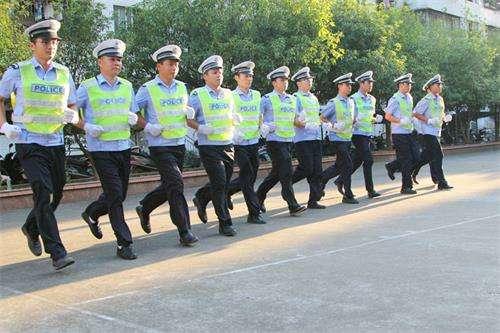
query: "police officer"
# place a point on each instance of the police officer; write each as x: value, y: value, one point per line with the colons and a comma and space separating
x: 364, y: 117
x: 399, y: 113
x: 214, y: 121
x: 246, y: 139
x: 107, y: 101
x: 430, y: 113
x: 340, y: 112
x: 164, y: 101
x: 280, y: 114
x: 45, y: 100
x: 307, y: 139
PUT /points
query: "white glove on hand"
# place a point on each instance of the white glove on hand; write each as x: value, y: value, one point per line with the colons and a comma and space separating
x: 378, y: 118
x: 10, y: 131
x: 327, y: 127
x: 404, y: 121
x: 237, y: 119
x: 93, y: 130
x: 447, y: 118
x: 205, y: 129
x: 434, y: 122
x: 339, y: 126
x: 132, y: 118
x: 70, y: 116
x: 189, y: 112
x: 153, y: 129
x: 311, y: 127
x: 301, y: 117
x: 265, y: 129
x: 237, y: 137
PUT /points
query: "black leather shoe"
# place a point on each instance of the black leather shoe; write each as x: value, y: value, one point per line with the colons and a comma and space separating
x: 202, y: 213
x: 444, y: 186
x: 262, y: 207
x: 226, y: 230
x: 94, y: 227
x: 33, y: 242
x: 229, y: 203
x: 188, y: 238
x: 414, y: 177
x: 297, y: 211
x: 373, y: 194
x: 315, y: 205
x: 62, y: 262
x: 255, y: 219
x: 349, y: 200
x: 408, y: 191
x: 339, y: 185
x: 390, y: 173
x: 144, y: 219
x: 126, y: 252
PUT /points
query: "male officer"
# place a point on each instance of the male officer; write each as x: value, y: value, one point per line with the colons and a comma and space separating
x: 214, y: 120
x: 430, y: 113
x: 399, y: 113
x: 164, y: 101
x: 107, y: 101
x: 45, y: 100
x: 340, y: 112
x: 246, y: 139
x: 307, y: 139
x: 364, y: 117
x: 280, y: 114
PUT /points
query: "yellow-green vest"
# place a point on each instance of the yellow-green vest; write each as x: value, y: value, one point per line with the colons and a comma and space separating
x: 365, y: 112
x: 44, y: 101
x: 284, y: 115
x: 170, y: 109
x: 218, y: 114
x: 310, y: 105
x: 110, y: 108
x: 406, y: 109
x: 436, y: 106
x: 345, y: 115
x: 249, y: 112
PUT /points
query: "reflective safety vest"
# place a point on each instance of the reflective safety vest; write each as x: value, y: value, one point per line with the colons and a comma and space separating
x: 110, y: 108
x: 406, y: 108
x: 436, y: 106
x: 217, y: 114
x: 284, y: 115
x: 310, y: 105
x: 44, y: 101
x: 170, y: 109
x: 250, y: 114
x: 366, y: 110
x: 345, y: 115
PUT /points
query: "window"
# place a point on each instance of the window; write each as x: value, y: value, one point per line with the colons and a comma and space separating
x: 122, y: 16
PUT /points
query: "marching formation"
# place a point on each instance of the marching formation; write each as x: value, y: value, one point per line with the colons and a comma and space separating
x: 228, y: 124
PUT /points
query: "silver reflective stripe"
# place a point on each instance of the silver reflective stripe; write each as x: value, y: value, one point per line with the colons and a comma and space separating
x: 249, y: 128
x: 281, y: 118
x: 113, y: 128
x: 42, y: 103
x: 222, y: 130
x: 173, y: 126
x: 251, y: 118
x: 218, y: 117
x: 109, y: 113
x: 166, y: 113
x: 37, y: 119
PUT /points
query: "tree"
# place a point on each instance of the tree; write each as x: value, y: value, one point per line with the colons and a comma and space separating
x: 13, y: 41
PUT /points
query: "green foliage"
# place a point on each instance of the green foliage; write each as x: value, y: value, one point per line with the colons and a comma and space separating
x: 13, y: 41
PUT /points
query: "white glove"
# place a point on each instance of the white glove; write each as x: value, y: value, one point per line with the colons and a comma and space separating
x: 378, y: 118
x: 93, y: 130
x: 327, y: 126
x: 132, y: 118
x: 205, y: 129
x: 338, y: 126
x: 434, y: 122
x: 237, y: 137
x: 311, y: 127
x: 189, y: 112
x: 301, y: 117
x: 70, y: 116
x: 447, y: 118
x: 265, y: 129
x: 404, y: 121
x: 10, y: 131
x: 237, y: 119
x: 153, y: 129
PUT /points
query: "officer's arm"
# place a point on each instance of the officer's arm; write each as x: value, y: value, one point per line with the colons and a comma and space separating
x: 419, y: 111
x: 193, y: 102
x: 72, y: 102
x: 141, y: 102
x: 389, y: 110
x: 297, y: 122
x: 3, y: 117
x: 327, y: 112
x: 6, y: 88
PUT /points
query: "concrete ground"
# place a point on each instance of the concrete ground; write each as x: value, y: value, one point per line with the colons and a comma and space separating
x: 422, y: 263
